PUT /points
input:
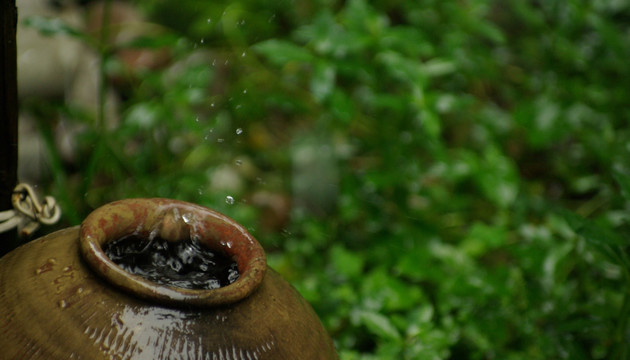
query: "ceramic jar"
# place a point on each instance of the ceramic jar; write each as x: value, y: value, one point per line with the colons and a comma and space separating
x: 61, y: 297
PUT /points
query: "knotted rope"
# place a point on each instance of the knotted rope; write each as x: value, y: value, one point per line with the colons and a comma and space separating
x: 28, y: 213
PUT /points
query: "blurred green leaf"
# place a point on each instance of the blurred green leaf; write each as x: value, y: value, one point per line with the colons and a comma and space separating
x: 323, y: 81
x: 591, y: 231
x: 343, y: 106
x: 281, y: 52
x: 623, y: 180
x: 379, y: 287
x: 483, y: 238
x: 438, y: 67
x: 406, y: 70
x: 346, y: 262
x: 498, y: 178
x: 606, y: 242
x: 152, y: 42
x: 379, y: 325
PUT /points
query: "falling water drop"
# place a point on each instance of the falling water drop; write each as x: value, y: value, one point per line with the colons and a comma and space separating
x: 238, y: 162
x: 209, y: 21
x: 202, y: 40
x: 239, y: 131
x: 243, y: 54
x: 220, y: 140
x: 229, y: 200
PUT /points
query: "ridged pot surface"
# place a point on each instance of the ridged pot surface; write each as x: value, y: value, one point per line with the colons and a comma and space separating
x: 54, y: 306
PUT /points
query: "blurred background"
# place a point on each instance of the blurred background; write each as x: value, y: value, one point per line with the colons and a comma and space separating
x: 441, y: 179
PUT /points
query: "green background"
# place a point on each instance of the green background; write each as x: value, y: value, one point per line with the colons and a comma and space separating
x: 440, y: 179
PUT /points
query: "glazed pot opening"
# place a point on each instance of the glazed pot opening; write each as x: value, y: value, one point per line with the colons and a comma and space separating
x: 149, y: 231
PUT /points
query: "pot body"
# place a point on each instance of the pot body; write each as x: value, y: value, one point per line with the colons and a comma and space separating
x: 54, y: 306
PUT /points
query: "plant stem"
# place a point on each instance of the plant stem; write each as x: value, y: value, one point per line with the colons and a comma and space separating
x: 101, y: 128
x: 58, y: 171
x: 104, y: 56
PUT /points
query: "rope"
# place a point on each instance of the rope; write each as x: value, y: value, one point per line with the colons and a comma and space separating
x: 28, y: 213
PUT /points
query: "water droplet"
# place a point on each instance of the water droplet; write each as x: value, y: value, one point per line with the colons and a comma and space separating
x: 245, y: 91
x: 200, y: 190
x: 63, y: 304
x: 243, y: 54
x: 212, y: 105
x: 209, y: 21
x: 239, y: 131
x: 220, y: 140
x: 197, y: 119
x: 229, y: 200
x: 187, y: 218
x: 202, y: 40
x: 238, y: 162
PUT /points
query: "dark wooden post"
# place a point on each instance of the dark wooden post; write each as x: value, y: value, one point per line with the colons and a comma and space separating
x: 8, y: 114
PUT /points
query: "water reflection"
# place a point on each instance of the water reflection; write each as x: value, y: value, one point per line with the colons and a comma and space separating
x: 149, y: 333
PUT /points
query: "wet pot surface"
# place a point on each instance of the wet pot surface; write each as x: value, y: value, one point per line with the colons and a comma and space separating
x: 55, y: 307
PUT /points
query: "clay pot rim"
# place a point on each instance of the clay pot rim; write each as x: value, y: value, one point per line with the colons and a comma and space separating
x: 171, y: 219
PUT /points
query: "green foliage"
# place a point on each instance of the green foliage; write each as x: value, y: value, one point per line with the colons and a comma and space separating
x: 480, y: 182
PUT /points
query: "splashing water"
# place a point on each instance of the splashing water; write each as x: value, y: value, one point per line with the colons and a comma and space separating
x: 186, y: 264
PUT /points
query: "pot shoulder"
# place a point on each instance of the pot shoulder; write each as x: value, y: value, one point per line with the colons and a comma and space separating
x: 55, y: 307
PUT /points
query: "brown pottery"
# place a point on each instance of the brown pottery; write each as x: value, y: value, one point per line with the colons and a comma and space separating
x: 61, y: 297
